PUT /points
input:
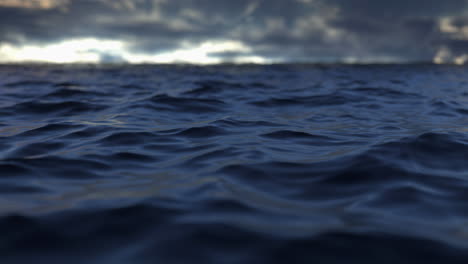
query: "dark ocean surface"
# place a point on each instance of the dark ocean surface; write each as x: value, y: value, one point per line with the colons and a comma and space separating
x: 233, y: 164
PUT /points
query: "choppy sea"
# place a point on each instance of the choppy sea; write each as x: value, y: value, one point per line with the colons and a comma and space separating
x: 233, y: 164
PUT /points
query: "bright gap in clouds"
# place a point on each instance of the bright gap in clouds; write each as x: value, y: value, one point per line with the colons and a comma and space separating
x: 79, y: 50
x: 202, y: 54
x: 91, y: 50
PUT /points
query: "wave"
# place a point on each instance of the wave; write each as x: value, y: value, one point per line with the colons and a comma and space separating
x: 111, y: 233
x: 44, y: 108
x: 233, y: 164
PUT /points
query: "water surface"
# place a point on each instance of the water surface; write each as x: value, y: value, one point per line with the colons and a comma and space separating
x: 233, y: 164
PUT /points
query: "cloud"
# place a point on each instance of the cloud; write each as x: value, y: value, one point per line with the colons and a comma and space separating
x: 33, y: 4
x: 275, y: 30
x: 86, y: 50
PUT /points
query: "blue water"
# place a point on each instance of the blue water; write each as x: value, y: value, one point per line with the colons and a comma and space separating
x: 233, y: 164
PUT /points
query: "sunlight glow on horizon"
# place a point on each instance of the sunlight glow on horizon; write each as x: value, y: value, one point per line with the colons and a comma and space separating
x: 78, y: 50
x: 91, y: 50
x: 200, y: 54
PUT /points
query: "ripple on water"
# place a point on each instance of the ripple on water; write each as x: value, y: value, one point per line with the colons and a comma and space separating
x: 233, y: 164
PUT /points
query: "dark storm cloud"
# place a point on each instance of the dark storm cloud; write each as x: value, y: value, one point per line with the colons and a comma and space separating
x: 313, y: 30
x: 400, y: 8
x: 49, y: 25
x: 407, y: 29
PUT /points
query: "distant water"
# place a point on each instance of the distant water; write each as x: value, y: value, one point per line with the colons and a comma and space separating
x: 233, y: 164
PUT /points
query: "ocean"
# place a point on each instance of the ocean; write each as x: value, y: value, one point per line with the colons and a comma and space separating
x: 233, y: 163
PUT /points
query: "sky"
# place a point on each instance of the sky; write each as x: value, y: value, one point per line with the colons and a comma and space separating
x: 234, y: 31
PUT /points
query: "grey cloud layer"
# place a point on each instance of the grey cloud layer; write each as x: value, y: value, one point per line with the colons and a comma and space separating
x: 294, y: 30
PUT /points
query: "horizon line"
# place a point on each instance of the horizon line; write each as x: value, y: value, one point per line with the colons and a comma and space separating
x: 311, y: 63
